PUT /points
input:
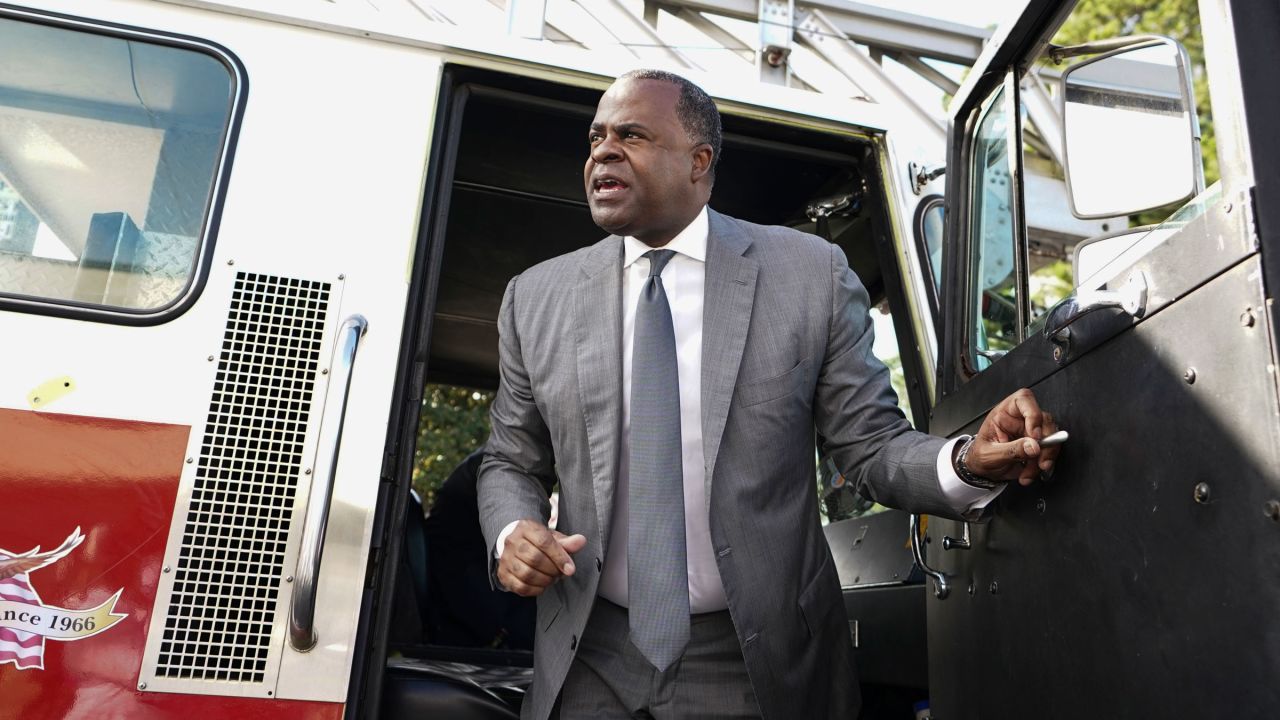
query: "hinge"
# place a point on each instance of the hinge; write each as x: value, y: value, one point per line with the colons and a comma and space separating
x: 388, y: 473
x: 371, y: 568
x: 1251, y: 218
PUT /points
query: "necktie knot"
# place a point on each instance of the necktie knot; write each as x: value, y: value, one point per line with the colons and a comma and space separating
x: 658, y: 259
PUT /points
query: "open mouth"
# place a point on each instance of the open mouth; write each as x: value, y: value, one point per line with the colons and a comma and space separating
x: 608, y: 185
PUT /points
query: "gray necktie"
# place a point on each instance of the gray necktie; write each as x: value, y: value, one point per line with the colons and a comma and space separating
x: 657, y: 569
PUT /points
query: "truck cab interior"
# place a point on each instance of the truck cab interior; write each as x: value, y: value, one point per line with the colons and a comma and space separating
x: 508, y: 194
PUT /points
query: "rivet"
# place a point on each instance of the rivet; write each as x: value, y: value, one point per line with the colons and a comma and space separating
x: 995, y: 587
x: 210, y: 358
x: 289, y: 579
x: 1246, y: 318
x: 972, y: 589
x: 142, y: 686
x: 268, y: 693
x: 167, y: 568
x: 324, y: 371
x: 1040, y: 506
x: 1189, y: 376
x: 1057, y: 354
x: 1272, y: 509
x: 307, y: 471
x: 895, y: 576
x: 1201, y: 493
x: 35, y: 399
x: 342, y: 276
x: 1227, y: 207
x: 190, y: 460
x: 231, y: 262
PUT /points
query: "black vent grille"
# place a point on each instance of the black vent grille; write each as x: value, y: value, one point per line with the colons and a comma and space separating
x: 227, y: 580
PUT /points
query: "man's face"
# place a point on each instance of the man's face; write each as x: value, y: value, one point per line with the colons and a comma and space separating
x: 641, y: 175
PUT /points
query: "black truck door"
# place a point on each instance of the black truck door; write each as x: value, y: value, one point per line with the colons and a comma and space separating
x: 1141, y: 579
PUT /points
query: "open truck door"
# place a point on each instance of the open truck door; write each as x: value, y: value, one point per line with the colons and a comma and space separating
x: 1140, y: 579
x: 188, y: 269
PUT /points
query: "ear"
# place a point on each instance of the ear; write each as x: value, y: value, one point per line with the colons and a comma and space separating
x: 702, y: 156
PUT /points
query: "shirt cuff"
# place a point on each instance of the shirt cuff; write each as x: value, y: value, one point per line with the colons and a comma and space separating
x: 965, y: 498
x: 502, y: 538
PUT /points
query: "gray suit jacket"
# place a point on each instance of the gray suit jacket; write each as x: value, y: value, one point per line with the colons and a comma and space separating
x: 786, y: 348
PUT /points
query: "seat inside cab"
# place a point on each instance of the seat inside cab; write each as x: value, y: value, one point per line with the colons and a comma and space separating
x: 515, y: 197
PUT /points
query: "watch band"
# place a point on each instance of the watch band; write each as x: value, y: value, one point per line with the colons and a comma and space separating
x: 967, y: 475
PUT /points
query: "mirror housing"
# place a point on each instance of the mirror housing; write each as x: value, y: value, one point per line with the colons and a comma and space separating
x: 1130, y: 136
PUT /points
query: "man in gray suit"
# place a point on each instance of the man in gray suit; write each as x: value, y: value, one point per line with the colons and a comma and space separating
x: 672, y: 377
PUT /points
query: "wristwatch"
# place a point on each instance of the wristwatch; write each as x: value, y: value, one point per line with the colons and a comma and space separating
x: 967, y: 475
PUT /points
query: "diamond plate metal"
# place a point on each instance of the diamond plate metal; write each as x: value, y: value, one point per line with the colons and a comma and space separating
x: 22, y: 274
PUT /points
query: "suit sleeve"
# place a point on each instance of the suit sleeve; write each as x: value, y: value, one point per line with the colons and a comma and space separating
x: 517, y: 474
x: 857, y: 415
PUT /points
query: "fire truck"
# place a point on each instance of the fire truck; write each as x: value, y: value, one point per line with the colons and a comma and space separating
x: 238, y: 239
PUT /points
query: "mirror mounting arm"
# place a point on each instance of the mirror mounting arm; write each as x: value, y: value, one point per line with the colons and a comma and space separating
x: 1059, y: 53
x: 1130, y: 298
x: 922, y: 175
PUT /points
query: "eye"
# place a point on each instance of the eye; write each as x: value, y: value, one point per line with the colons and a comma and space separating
x: 594, y: 138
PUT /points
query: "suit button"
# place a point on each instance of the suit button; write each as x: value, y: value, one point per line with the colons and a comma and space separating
x: 573, y: 643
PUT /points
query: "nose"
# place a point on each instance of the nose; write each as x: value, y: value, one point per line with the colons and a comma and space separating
x: 606, y: 150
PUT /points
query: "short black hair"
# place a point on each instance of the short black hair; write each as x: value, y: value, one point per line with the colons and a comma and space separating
x: 695, y: 109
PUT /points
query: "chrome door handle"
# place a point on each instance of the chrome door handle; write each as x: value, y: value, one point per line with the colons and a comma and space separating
x: 963, y: 543
x: 302, y: 612
x: 940, y: 588
x: 1131, y: 298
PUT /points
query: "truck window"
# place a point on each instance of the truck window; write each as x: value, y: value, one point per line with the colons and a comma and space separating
x: 109, y: 150
x: 994, y: 329
x: 929, y: 231
x: 1029, y: 248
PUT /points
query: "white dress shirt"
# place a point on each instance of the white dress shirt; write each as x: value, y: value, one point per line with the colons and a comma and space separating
x: 683, y: 279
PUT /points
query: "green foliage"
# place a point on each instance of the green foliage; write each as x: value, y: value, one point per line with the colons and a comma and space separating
x: 1178, y: 19
x: 1048, y: 285
x: 452, y: 423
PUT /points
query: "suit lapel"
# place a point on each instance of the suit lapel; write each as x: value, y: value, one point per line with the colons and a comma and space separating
x: 726, y: 316
x: 598, y: 312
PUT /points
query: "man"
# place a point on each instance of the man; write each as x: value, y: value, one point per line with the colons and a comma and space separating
x: 675, y: 392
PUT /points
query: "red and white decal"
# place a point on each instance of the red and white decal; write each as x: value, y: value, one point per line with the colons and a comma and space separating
x: 26, y: 622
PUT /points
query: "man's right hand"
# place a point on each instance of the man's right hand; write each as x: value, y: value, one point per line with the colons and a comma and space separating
x: 534, y: 557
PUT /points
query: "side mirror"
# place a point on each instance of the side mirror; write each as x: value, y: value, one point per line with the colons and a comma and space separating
x: 1130, y: 138
x: 1094, y: 260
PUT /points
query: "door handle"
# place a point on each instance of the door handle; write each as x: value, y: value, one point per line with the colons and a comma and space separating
x: 302, y: 611
x: 940, y: 587
x: 1131, y: 298
x: 963, y: 543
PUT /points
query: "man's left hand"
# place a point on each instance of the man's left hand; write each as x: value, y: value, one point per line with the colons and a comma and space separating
x: 1007, y: 445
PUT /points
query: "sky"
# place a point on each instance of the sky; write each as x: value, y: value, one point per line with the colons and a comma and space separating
x: 970, y: 12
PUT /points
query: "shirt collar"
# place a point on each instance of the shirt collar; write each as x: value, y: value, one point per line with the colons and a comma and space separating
x: 691, y: 242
